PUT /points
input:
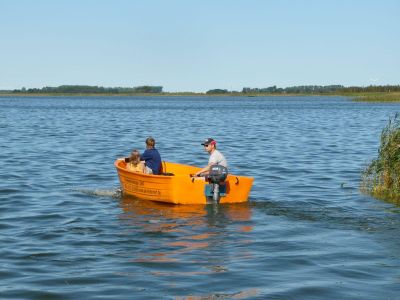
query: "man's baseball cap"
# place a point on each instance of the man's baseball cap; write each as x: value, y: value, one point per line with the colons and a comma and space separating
x: 208, y: 141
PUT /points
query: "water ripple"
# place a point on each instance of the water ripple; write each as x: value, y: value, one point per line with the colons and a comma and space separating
x: 307, y: 232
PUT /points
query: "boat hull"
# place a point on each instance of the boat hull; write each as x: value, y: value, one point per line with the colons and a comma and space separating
x: 179, y: 188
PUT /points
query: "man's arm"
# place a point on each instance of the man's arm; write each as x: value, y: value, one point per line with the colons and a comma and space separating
x: 205, y: 170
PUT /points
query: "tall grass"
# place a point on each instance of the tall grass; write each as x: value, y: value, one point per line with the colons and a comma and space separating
x: 377, y: 97
x: 381, y: 178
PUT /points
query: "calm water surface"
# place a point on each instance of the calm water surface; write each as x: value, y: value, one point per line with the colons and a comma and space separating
x: 306, y: 233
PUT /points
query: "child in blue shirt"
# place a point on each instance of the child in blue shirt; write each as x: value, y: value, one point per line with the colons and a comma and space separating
x: 151, y: 157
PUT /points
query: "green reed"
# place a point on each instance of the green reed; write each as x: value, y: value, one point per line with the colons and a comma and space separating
x: 381, y: 178
x: 377, y: 97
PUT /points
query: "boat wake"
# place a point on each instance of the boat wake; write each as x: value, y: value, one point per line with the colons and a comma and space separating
x: 116, y: 193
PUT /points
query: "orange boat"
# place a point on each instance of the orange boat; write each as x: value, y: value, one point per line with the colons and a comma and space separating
x: 177, y: 186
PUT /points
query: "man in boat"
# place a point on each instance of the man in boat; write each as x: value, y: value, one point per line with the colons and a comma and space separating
x: 151, y: 157
x: 216, y: 157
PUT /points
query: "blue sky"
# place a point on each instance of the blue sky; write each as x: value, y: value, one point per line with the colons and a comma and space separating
x: 197, y: 45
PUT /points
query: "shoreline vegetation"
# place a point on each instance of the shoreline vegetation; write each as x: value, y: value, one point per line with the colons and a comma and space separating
x: 381, y: 178
x: 372, y: 93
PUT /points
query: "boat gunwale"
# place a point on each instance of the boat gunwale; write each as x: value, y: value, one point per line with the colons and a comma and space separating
x: 116, y: 164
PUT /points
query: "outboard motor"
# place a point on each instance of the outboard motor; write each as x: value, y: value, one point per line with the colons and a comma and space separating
x: 216, y: 178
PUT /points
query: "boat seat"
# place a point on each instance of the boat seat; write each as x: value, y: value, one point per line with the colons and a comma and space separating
x: 167, y: 174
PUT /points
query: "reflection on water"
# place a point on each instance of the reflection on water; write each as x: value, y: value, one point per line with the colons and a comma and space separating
x: 190, y: 228
x: 197, y: 215
x: 247, y: 294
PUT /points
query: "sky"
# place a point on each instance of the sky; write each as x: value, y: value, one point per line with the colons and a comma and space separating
x: 197, y: 45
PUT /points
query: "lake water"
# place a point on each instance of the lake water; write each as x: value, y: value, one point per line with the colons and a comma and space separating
x: 306, y: 233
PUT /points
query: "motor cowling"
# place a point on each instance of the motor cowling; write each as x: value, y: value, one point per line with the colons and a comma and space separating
x: 217, y: 174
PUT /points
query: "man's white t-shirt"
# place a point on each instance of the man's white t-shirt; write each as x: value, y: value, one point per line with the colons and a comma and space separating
x: 217, y: 158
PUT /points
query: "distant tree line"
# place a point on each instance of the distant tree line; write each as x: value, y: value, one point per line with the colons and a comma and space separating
x: 87, y: 89
x: 310, y: 89
x: 372, y: 88
x: 302, y: 89
x: 217, y: 91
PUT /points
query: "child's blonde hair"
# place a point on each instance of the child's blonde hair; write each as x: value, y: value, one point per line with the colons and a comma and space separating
x: 134, y: 158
